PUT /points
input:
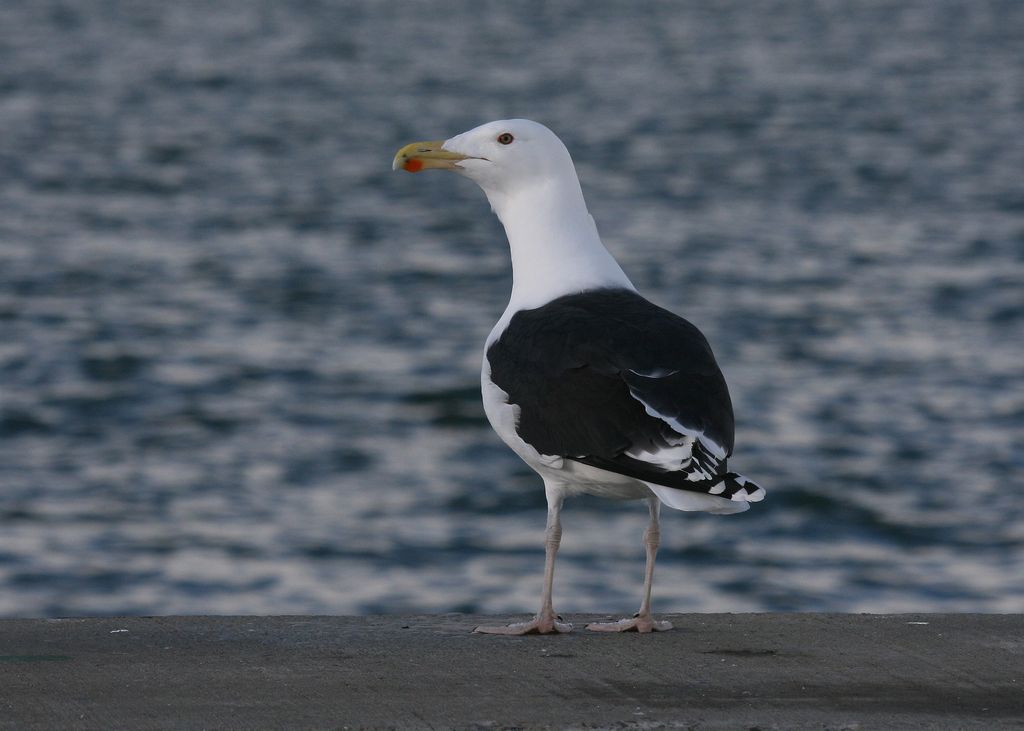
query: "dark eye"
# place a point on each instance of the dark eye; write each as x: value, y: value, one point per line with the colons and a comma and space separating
x: 505, y: 138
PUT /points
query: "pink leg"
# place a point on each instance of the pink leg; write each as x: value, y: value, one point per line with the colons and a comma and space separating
x: 643, y: 621
x: 546, y: 621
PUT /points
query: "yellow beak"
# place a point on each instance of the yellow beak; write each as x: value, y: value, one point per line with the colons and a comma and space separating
x: 425, y: 155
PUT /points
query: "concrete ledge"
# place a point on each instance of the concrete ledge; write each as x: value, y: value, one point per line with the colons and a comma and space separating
x: 713, y: 672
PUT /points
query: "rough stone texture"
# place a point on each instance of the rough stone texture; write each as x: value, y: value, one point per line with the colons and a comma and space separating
x: 713, y: 672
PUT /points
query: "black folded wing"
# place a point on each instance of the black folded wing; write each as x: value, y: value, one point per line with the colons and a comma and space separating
x: 608, y: 379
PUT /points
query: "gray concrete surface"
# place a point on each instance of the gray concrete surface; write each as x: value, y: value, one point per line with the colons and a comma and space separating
x: 763, y: 671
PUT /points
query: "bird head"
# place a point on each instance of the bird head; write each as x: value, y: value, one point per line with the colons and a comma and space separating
x: 502, y: 157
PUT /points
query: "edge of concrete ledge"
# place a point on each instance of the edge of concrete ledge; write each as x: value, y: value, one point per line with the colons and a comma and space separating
x: 714, y: 671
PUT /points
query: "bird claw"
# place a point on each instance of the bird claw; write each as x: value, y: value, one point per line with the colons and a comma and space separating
x: 639, y: 623
x: 539, y: 625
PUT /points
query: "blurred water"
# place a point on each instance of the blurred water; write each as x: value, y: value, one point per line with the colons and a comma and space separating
x: 239, y: 356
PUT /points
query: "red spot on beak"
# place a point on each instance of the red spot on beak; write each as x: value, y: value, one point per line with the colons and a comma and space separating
x: 413, y: 165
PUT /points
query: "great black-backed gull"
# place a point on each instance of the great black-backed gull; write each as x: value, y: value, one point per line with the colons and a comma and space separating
x: 597, y: 389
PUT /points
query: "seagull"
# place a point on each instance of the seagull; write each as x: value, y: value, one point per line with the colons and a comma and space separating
x: 597, y: 389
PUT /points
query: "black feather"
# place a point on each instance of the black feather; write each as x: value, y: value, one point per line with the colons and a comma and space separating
x: 578, y: 368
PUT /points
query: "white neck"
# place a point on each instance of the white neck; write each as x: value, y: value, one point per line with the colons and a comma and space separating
x: 556, y: 249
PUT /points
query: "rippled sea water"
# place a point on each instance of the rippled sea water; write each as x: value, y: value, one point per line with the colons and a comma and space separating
x: 239, y: 356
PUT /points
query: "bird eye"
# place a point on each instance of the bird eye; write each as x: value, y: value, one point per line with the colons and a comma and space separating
x: 505, y: 138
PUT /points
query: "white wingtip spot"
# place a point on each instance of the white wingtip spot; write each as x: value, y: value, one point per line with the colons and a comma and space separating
x: 754, y: 496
